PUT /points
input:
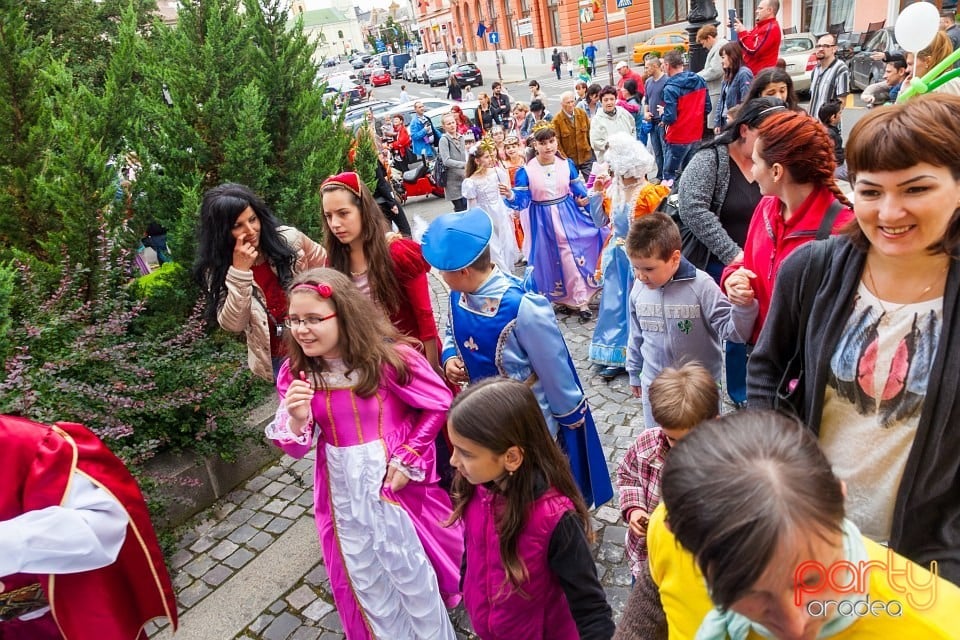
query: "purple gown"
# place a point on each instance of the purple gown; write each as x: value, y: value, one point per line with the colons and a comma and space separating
x: 564, y: 245
x: 393, y: 566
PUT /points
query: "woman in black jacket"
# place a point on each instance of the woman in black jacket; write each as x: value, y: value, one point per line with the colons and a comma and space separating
x: 454, y: 91
x: 485, y: 117
x: 877, y: 316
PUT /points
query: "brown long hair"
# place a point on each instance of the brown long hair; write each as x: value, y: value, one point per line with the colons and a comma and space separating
x: 368, y: 341
x: 736, y: 486
x: 734, y: 54
x: 499, y: 413
x: 384, y: 286
x: 803, y: 147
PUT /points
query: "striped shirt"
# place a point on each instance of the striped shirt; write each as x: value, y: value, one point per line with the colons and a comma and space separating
x: 830, y: 84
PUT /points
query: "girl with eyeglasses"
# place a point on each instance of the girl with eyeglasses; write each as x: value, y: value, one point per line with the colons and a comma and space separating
x: 374, y: 406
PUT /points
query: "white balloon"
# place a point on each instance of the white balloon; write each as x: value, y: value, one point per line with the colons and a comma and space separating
x: 917, y: 25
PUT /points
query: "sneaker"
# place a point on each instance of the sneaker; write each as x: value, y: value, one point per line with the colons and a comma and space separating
x: 585, y: 315
x: 562, y: 308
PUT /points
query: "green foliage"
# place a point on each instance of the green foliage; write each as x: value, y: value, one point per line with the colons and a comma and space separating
x: 366, y: 157
x: 92, y: 153
x: 139, y: 385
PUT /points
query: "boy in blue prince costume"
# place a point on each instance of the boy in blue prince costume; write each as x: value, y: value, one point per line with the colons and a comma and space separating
x: 496, y: 327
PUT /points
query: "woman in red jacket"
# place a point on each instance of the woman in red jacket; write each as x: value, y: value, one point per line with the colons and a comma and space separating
x: 402, y: 143
x: 793, y: 164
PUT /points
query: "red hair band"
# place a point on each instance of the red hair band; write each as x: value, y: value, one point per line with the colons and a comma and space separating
x: 323, y: 289
x: 348, y: 180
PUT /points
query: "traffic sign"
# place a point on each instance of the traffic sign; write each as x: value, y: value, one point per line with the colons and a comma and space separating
x: 525, y: 27
x: 494, y: 37
x: 380, y: 46
x: 623, y: 4
x: 586, y: 14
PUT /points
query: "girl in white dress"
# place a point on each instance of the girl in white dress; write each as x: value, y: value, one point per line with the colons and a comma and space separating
x: 482, y: 189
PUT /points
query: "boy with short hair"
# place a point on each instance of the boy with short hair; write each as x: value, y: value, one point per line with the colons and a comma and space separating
x: 497, y: 328
x: 829, y: 116
x: 677, y: 312
x: 681, y: 399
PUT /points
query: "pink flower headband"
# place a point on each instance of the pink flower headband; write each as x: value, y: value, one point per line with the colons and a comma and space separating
x: 323, y: 289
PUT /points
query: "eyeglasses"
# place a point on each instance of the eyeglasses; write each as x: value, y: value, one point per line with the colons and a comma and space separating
x: 312, y: 322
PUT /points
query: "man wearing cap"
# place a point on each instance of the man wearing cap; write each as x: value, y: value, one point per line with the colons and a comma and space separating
x: 626, y: 73
x: 79, y: 559
x: 495, y: 327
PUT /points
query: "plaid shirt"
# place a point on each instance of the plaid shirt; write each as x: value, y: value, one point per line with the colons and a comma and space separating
x: 638, y: 478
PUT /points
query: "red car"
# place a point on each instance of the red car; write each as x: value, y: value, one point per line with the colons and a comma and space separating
x: 380, y: 77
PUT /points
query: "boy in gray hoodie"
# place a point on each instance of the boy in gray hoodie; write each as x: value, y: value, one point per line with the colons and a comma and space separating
x: 677, y: 312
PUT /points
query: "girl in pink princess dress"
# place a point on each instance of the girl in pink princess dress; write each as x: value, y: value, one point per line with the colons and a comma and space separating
x: 374, y: 406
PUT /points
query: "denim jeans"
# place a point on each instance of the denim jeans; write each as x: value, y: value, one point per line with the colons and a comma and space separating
x: 675, y: 159
x: 656, y: 141
x: 735, y: 354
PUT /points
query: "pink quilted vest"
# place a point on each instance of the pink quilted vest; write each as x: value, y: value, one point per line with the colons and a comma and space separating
x: 496, y: 609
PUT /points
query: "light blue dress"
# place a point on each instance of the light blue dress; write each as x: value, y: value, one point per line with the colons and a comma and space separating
x: 501, y: 329
x: 609, y: 344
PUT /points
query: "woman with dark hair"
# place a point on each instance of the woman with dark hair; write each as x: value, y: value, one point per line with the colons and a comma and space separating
x: 245, y: 259
x: 793, y: 163
x: 735, y: 85
x: 751, y: 541
x: 564, y: 243
x: 880, y: 353
x: 391, y: 270
x: 774, y: 82
x: 716, y: 199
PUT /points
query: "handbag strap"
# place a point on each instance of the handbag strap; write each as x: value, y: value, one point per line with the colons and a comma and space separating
x: 819, y: 252
x: 826, y: 225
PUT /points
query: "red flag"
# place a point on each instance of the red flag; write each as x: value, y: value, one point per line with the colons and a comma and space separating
x: 597, y: 6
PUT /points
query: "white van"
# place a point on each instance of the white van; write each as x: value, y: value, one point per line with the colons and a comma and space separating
x: 424, y: 60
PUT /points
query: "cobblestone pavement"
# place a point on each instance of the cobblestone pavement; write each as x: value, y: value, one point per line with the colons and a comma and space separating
x: 275, y: 508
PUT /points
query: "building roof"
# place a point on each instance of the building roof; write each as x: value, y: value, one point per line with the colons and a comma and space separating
x: 320, y: 17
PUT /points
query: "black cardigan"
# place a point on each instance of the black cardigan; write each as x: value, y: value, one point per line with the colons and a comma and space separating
x: 926, y: 517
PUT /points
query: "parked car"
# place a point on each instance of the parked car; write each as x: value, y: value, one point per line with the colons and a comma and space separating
x: 468, y: 75
x: 437, y: 73
x: 864, y: 70
x: 660, y: 44
x: 356, y: 114
x: 330, y: 62
x: 406, y: 110
x: 367, y: 71
x: 410, y: 71
x: 357, y: 63
x: 799, y: 51
x: 469, y: 109
x: 352, y: 93
x: 380, y: 77
x: 398, y: 62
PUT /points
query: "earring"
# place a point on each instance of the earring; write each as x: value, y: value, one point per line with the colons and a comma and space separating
x: 510, y: 473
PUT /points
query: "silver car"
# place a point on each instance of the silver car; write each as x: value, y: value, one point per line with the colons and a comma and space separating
x: 798, y: 50
x: 437, y: 73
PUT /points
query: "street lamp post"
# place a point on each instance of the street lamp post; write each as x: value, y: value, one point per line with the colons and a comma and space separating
x: 702, y: 13
x: 606, y: 30
x: 496, y: 44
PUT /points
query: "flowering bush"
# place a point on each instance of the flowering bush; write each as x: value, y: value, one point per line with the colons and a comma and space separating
x: 117, y: 360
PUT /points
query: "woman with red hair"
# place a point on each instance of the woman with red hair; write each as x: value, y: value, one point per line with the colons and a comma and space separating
x: 793, y: 165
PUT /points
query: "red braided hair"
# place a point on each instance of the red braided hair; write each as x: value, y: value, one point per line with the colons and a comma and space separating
x: 802, y: 146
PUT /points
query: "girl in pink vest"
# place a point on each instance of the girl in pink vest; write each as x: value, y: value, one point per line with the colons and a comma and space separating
x: 529, y: 573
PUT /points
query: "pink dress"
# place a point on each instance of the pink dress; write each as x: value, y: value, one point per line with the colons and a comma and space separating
x: 393, y: 566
